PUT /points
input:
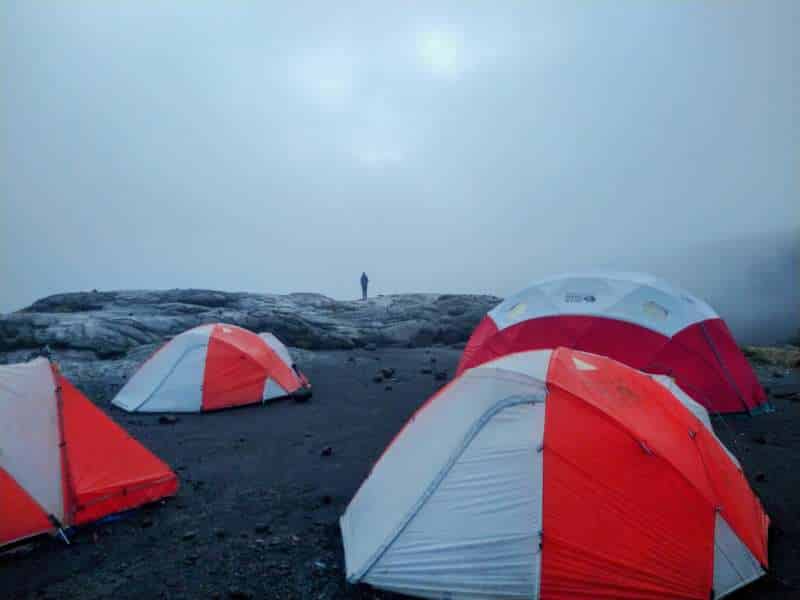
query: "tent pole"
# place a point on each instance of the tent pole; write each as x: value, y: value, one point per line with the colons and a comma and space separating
x: 69, y: 501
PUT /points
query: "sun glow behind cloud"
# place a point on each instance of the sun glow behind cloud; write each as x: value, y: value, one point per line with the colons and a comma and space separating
x: 442, y: 52
x: 345, y: 81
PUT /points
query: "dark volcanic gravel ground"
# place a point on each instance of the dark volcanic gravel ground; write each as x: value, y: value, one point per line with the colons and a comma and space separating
x: 257, y: 512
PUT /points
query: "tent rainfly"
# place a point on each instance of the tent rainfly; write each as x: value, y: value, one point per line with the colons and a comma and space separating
x: 634, y: 318
x: 556, y: 474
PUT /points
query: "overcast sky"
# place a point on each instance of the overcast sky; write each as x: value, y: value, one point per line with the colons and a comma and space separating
x: 451, y: 147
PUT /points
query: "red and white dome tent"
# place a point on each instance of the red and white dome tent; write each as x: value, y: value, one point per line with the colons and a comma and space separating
x: 63, y: 462
x: 213, y: 367
x: 634, y: 318
x: 555, y: 475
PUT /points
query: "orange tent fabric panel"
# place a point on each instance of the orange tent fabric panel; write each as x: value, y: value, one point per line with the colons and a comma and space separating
x: 20, y: 515
x: 273, y: 365
x: 737, y: 503
x: 648, y: 530
x: 638, y: 404
x: 238, y: 364
x: 637, y: 449
x: 650, y: 414
x: 233, y: 376
x: 611, y: 525
x: 108, y: 471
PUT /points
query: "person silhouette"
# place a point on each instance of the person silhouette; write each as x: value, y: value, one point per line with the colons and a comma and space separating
x: 364, y: 283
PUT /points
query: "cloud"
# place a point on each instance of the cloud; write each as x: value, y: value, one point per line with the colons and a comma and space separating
x: 442, y: 52
x: 378, y: 157
x: 325, y: 76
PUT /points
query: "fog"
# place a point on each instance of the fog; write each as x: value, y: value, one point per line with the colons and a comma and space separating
x: 455, y: 147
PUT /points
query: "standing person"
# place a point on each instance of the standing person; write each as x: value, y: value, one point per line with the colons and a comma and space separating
x: 364, y: 282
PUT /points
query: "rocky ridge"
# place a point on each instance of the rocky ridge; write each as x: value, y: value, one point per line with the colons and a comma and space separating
x: 111, y: 325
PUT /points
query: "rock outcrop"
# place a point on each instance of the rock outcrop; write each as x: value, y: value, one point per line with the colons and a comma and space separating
x: 109, y: 325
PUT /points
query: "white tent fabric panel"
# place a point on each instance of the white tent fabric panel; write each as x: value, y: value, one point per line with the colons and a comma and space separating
x: 182, y: 389
x: 272, y: 390
x: 629, y: 297
x: 419, y: 455
x: 619, y: 278
x: 477, y: 535
x: 146, y: 390
x: 734, y: 565
x: 29, y: 411
x: 533, y: 363
x: 277, y: 347
x: 569, y: 294
x: 656, y: 310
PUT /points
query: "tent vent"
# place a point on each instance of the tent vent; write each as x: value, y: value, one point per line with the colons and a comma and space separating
x: 517, y: 310
x: 583, y: 366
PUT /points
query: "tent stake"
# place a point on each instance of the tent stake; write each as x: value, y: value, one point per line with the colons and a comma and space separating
x: 63, y: 536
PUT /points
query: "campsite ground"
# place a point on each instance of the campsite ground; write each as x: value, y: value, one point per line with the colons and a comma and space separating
x: 256, y: 515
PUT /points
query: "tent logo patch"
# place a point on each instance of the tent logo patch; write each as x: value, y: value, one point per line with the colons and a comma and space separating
x: 579, y: 298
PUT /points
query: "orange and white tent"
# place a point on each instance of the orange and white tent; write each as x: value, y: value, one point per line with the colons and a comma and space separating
x: 556, y: 474
x: 213, y: 367
x: 62, y: 461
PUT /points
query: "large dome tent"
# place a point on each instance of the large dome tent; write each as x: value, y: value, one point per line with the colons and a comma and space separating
x: 63, y: 462
x: 213, y: 367
x: 555, y: 474
x: 634, y: 318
